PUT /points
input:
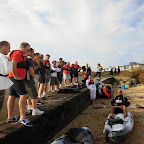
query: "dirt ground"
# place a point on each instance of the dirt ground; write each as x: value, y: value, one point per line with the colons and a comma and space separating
x: 95, y: 118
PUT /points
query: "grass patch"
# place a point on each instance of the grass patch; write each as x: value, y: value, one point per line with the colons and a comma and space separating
x: 137, y: 73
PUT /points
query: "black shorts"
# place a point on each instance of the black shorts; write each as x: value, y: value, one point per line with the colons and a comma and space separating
x: 18, y: 88
x: 76, y: 74
x: 59, y: 76
x: 54, y: 81
x: 42, y: 79
x: 118, y: 110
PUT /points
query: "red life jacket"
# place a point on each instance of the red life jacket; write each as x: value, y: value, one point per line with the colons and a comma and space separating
x: 84, y: 76
x: 55, y: 66
x: 90, y: 80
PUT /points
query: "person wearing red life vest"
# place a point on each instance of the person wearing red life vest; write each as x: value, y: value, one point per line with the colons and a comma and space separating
x: 66, y: 73
x: 77, y: 68
x: 54, y: 79
x: 17, y: 76
x: 92, y: 88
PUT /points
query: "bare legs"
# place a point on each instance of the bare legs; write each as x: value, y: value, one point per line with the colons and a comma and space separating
x: 40, y: 90
x: 10, y: 106
x: 22, y: 105
x: 123, y: 107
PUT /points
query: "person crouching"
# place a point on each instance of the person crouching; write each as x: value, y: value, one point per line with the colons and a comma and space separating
x: 92, y: 88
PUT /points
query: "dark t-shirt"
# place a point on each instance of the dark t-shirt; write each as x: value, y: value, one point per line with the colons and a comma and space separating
x: 47, y: 64
x: 88, y: 71
x: 76, y: 67
x: 42, y: 68
x: 120, y: 100
x: 29, y: 63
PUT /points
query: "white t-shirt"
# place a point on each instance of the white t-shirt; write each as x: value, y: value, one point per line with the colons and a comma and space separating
x: 55, y: 70
x: 99, y: 69
x: 5, y: 68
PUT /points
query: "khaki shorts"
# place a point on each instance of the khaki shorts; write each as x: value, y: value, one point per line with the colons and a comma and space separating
x: 31, y: 89
x: 66, y: 76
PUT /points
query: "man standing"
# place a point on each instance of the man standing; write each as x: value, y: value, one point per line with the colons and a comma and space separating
x: 36, y: 68
x: 17, y: 75
x: 48, y: 73
x: 30, y: 86
x: 6, y: 67
x: 66, y: 73
x: 99, y: 70
x: 87, y: 71
x: 118, y: 70
x: 59, y: 73
x: 54, y: 79
x: 77, y: 68
x: 42, y: 78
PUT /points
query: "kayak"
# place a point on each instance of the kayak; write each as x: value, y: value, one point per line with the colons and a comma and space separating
x: 76, y: 136
x: 117, y: 129
x: 103, y: 89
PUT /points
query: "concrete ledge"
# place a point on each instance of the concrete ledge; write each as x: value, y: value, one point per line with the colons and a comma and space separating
x: 58, y: 113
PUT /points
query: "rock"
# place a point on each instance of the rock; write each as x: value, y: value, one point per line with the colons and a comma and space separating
x: 121, y: 82
x: 128, y: 83
x: 134, y: 81
x: 127, y: 86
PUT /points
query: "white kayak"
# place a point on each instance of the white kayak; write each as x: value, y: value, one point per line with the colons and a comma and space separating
x: 76, y: 136
x: 116, y: 129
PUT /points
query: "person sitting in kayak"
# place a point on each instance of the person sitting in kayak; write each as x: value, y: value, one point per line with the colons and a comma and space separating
x: 121, y: 101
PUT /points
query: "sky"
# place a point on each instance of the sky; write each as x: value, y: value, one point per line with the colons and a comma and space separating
x: 109, y: 32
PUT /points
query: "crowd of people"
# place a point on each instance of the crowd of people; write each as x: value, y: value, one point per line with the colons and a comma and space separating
x: 114, y: 70
x: 28, y: 75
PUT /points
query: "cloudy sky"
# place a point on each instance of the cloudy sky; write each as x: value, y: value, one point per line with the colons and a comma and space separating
x: 109, y: 32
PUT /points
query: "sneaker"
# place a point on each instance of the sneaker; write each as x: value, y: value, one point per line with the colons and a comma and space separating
x: 43, y: 94
x: 40, y: 103
x: 27, y: 111
x: 26, y: 122
x: 37, y: 112
x: 53, y: 91
x: 15, y: 119
x: 30, y: 107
